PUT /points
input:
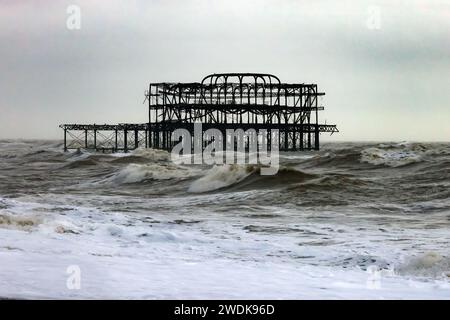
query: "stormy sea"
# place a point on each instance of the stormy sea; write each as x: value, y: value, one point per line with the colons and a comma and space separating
x: 353, y: 220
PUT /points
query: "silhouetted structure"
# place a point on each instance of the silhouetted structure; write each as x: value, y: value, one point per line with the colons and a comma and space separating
x: 221, y: 101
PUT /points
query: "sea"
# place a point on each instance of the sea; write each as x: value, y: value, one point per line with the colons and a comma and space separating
x: 351, y: 221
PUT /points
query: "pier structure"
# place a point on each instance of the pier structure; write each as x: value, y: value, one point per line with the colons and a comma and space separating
x: 106, y: 137
x: 220, y: 101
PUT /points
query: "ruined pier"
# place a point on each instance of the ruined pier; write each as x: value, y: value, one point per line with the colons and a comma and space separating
x: 220, y: 101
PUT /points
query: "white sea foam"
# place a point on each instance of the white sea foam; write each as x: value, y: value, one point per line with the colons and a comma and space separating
x: 25, y: 222
x: 395, y: 155
x: 123, y: 256
x: 255, y: 243
x: 152, y: 154
x: 428, y: 264
x: 18, y: 215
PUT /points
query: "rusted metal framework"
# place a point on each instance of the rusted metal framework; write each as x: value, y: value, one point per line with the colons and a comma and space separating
x: 238, y: 100
x: 220, y: 101
x: 105, y: 137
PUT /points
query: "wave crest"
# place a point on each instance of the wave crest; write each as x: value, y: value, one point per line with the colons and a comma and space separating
x: 134, y: 173
x: 246, y: 177
x: 222, y: 176
x: 396, y: 155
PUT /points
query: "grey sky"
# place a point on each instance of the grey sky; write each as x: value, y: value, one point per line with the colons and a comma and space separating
x: 391, y: 83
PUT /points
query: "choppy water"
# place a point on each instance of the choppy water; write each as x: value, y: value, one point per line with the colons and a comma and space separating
x: 350, y: 221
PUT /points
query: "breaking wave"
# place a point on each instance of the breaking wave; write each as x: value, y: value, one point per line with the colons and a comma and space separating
x: 399, y: 154
x: 245, y: 177
x: 134, y: 173
x: 347, y: 166
x: 219, y: 177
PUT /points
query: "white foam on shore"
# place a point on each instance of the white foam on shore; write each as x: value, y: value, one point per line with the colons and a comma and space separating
x: 9, y: 221
x: 128, y: 256
x: 428, y: 264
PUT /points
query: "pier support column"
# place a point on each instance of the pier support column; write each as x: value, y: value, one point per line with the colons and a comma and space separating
x: 286, y: 142
x: 85, y: 139
x: 294, y: 140
x: 164, y: 139
x: 316, y: 138
x: 309, y: 140
x: 146, y: 138
x: 301, y: 138
x: 125, y: 140
x: 95, y: 139
x: 136, y: 139
x: 115, y: 141
x: 65, y: 140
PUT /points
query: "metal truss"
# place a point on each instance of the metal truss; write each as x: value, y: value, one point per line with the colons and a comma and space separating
x: 221, y: 101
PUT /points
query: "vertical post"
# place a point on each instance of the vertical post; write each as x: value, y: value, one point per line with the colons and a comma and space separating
x: 85, y: 139
x: 136, y: 138
x: 309, y: 140
x: 125, y: 140
x: 302, y: 89
x: 316, y: 103
x: 286, y: 137
x: 164, y: 138
x: 115, y: 142
x: 151, y: 138
x: 95, y: 138
x: 316, y: 137
x: 301, y: 137
x: 294, y: 140
x: 146, y: 138
x: 150, y: 104
x: 65, y: 140
x: 309, y: 133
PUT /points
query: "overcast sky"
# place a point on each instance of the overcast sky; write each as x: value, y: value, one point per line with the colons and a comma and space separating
x: 384, y: 65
